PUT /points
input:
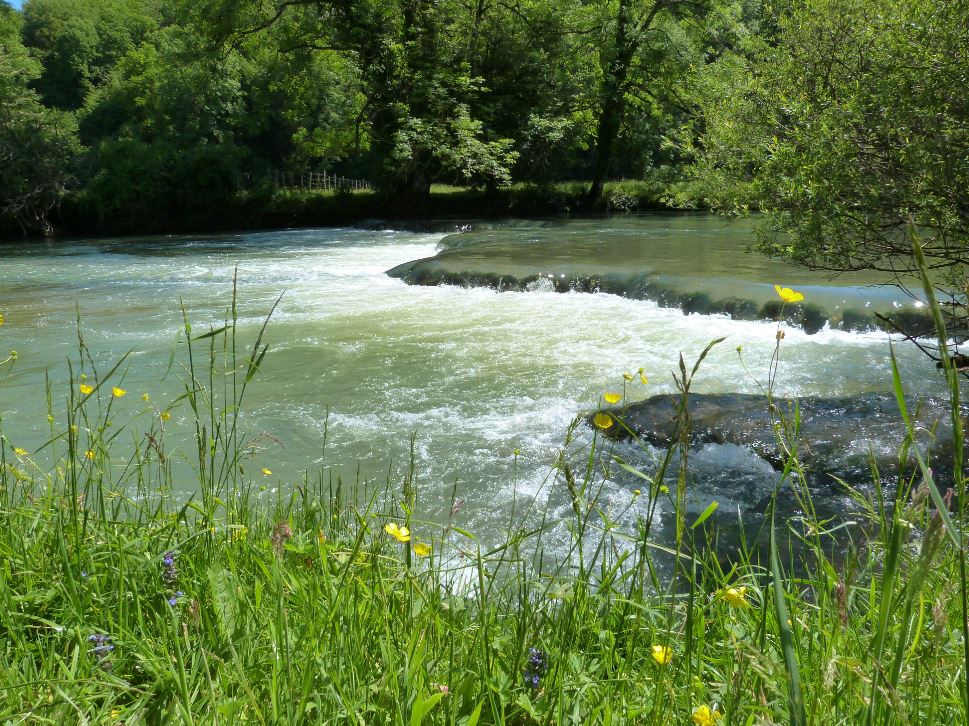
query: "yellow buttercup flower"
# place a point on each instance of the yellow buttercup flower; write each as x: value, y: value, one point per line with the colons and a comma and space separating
x: 266, y: 472
x: 642, y: 377
x: 401, y: 534
x: 20, y: 452
x: 627, y: 376
x: 85, y: 388
x: 145, y: 397
x: 706, y: 716
x: 612, y: 397
x: 117, y: 392
x: 662, y: 654
x: 602, y: 420
x: 88, y: 454
x: 788, y: 295
x: 421, y: 549
x: 165, y: 415
x: 736, y: 597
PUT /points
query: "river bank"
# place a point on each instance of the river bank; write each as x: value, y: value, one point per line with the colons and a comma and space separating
x: 265, y: 209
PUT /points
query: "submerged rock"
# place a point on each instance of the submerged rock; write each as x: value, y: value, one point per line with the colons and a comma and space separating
x: 835, y: 438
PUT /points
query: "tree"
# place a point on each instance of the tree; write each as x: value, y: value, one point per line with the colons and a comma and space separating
x: 853, y: 122
x: 633, y: 49
x: 78, y: 42
x: 38, y: 146
x: 163, y: 132
x: 414, y: 74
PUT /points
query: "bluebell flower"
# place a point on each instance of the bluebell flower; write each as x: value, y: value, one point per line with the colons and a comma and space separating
x: 536, y: 667
x: 169, y: 574
x: 102, y: 645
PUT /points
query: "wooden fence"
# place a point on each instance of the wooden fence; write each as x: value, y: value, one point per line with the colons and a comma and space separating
x: 317, y: 181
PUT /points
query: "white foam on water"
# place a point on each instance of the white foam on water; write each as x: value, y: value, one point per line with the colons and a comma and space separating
x: 473, y: 374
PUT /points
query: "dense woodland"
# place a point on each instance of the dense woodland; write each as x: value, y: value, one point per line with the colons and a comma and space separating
x: 840, y: 119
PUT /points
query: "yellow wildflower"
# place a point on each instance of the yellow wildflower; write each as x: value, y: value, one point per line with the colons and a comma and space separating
x: 788, y: 295
x: 421, y: 549
x: 165, y: 415
x: 88, y: 454
x: 401, y: 534
x: 20, y: 452
x: 602, y: 420
x: 736, y: 597
x: 1, y: 318
x: 663, y: 489
x: 145, y: 397
x: 117, y: 392
x: 706, y: 716
x: 266, y: 472
x: 642, y: 377
x: 85, y: 388
x: 662, y: 654
x: 636, y: 492
x: 627, y: 376
x: 612, y: 397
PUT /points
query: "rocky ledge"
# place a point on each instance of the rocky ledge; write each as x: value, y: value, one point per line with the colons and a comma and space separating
x: 838, y: 439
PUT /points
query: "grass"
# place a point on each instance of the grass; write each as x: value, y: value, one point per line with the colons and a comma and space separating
x: 122, y: 602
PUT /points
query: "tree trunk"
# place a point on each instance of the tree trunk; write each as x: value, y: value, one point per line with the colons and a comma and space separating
x: 610, y: 118
x: 612, y: 95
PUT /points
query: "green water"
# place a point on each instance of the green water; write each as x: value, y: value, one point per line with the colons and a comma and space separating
x: 472, y: 373
x: 682, y: 254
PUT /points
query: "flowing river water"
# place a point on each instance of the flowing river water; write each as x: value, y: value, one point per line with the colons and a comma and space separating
x: 486, y: 382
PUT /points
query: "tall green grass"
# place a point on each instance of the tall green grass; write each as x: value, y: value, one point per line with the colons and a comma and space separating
x: 122, y: 601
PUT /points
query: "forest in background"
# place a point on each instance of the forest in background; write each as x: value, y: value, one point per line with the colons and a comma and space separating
x: 841, y: 120
x: 164, y: 109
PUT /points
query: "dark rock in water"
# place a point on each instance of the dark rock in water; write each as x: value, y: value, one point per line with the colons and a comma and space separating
x: 852, y: 319
x: 836, y: 438
x: 739, y: 309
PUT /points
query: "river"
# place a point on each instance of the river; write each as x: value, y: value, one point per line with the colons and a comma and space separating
x: 487, y: 382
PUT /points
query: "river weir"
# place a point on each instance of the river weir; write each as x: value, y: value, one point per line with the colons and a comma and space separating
x: 478, y: 383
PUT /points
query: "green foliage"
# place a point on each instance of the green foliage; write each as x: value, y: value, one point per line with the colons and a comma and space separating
x: 166, y: 121
x: 38, y: 146
x: 453, y: 148
x: 854, y: 121
x: 78, y: 43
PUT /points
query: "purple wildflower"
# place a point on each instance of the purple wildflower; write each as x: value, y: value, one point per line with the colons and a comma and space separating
x: 102, y: 645
x: 536, y: 667
x: 170, y: 574
x: 173, y: 600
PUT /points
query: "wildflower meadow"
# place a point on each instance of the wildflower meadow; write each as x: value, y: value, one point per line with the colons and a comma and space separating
x: 124, y: 602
